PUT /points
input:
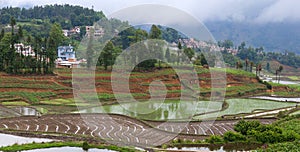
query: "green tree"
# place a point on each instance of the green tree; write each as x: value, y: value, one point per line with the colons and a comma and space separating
x: 231, y: 136
x: 168, y: 55
x: 107, y: 54
x: 90, y: 50
x: 179, y: 46
x: 251, y: 66
x: 244, y: 127
x: 12, y: 51
x: 2, y: 34
x: 247, y: 64
x: 155, y: 32
x: 268, y: 67
x: 4, y: 52
x: 189, y: 52
x: 278, y: 71
x: 55, y: 39
x: 155, y: 47
x: 258, y: 69
x: 203, y: 61
x: 20, y: 33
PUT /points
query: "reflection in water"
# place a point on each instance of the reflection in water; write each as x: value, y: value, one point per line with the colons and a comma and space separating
x: 169, y: 110
x: 7, y: 140
x: 221, y: 148
x: 27, y: 111
x: 66, y: 149
x: 278, y: 98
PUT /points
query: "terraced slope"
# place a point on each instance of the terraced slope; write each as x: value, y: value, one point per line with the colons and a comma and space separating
x: 118, y: 128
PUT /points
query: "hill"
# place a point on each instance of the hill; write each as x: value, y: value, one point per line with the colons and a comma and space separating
x: 276, y: 37
x: 67, y: 16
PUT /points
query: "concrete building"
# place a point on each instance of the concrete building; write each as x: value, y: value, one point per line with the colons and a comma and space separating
x: 66, y: 53
x: 26, y: 50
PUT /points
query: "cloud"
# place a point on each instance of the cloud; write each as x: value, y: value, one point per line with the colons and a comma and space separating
x: 262, y: 11
x: 280, y: 11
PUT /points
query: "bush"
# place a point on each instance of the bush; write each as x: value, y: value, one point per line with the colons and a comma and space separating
x: 233, y: 136
x: 213, y: 139
x: 290, y: 147
x: 268, y: 85
x: 245, y: 126
x: 85, y: 146
x: 290, y: 135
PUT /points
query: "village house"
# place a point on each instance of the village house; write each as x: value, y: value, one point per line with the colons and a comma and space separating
x: 75, y: 30
x: 66, y: 57
x: 98, y: 31
x: 25, y: 50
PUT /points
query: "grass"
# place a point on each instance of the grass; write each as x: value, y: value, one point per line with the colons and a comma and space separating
x: 15, y: 103
x: 234, y: 72
x: 294, y: 78
x: 32, y: 97
x: 296, y: 113
x: 238, y: 106
x: 32, y: 86
x: 58, y: 101
x: 292, y: 123
x: 32, y: 146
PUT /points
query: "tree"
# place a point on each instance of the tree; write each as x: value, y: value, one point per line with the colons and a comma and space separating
x: 168, y: 55
x: 242, y: 46
x: 258, y: 69
x: 268, y: 67
x: 189, y: 52
x: 155, y: 32
x: 246, y: 64
x: 12, y: 51
x: 107, y: 54
x: 203, y: 61
x: 4, y: 52
x: 231, y: 136
x: 90, y: 50
x: 20, y: 33
x: 2, y: 34
x: 251, y: 66
x: 239, y: 65
x: 278, y: 71
x: 55, y: 39
x: 244, y: 127
x: 178, y: 52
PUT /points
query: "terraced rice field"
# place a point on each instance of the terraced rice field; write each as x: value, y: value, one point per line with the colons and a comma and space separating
x: 238, y: 106
x: 118, y: 128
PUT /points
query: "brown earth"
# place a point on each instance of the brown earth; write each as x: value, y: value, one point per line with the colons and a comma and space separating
x: 139, y: 83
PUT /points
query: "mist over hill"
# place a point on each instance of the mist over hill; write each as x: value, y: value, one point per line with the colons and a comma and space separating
x: 273, y: 36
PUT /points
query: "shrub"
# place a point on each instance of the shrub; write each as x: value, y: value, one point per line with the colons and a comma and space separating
x: 213, y: 139
x: 233, y: 136
x: 85, y: 146
x: 245, y: 126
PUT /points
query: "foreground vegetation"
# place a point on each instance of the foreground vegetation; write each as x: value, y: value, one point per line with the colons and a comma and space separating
x: 83, y: 145
x: 283, y: 135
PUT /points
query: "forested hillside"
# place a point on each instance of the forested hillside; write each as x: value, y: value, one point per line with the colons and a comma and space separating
x: 67, y: 16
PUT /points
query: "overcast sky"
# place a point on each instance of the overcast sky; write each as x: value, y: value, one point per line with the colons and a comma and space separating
x: 261, y: 11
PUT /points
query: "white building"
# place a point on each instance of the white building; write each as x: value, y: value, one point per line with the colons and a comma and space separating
x: 26, y: 50
x: 66, y: 53
x: 98, y: 31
